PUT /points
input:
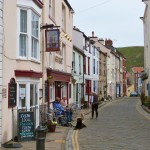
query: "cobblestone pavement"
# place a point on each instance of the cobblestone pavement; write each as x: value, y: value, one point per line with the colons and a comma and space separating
x: 119, y: 126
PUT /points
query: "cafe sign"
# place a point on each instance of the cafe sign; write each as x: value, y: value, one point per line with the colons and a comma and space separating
x: 26, y: 126
x: 52, y: 40
x: 12, y: 93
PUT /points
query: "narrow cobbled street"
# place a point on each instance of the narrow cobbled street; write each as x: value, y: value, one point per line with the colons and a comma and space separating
x: 119, y: 127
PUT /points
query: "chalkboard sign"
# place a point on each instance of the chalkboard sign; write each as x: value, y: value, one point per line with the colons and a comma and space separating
x: 12, y: 93
x: 26, y: 126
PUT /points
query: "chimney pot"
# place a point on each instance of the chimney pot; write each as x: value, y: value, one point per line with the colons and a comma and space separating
x: 92, y: 33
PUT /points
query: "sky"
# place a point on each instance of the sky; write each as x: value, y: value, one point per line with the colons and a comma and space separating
x: 118, y: 20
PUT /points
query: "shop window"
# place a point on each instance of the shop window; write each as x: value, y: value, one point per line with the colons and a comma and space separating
x: 22, y: 95
x: 33, y: 94
x: 51, y: 93
x: 28, y: 95
x: 64, y: 90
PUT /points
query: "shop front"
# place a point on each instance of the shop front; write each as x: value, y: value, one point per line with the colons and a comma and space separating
x: 58, y: 85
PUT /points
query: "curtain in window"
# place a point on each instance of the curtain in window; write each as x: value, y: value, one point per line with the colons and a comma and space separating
x: 35, y: 35
x: 23, y: 33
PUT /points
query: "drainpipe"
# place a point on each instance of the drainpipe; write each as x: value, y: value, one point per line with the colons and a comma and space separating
x: 42, y: 53
x: 83, y: 74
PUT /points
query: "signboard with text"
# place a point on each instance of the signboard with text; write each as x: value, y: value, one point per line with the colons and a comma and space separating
x: 52, y: 40
x: 12, y: 93
x: 26, y: 126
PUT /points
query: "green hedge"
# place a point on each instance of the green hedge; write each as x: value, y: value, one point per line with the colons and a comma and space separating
x: 145, y: 100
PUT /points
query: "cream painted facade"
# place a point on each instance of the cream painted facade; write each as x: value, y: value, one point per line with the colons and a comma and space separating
x: 112, y: 80
x: 1, y: 65
x: 146, y: 25
x: 21, y: 62
x: 26, y: 62
x: 130, y: 89
x: 58, y: 65
x: 103, y: 75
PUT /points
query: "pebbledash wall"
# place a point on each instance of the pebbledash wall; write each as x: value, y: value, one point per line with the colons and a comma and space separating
x: 1, y: 51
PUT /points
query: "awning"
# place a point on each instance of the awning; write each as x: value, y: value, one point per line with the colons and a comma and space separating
x: 59, y: 75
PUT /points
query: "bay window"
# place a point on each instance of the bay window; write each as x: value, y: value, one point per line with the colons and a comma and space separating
x: 23, y: 33
x: 28, y: 35
x: 35, y: 35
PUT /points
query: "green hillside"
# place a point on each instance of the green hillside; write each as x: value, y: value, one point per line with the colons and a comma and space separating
x: 134, y: 55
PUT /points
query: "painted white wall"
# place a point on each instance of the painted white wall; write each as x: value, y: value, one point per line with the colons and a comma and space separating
x: 1, y: 66
x: 146, y: 24
x: 95, y: 76
x: 12, y: 62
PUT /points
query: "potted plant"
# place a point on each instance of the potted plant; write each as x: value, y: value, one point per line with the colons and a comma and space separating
x: 51, y: 125
x: 143, y: 98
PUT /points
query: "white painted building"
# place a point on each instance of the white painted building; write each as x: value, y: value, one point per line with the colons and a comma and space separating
x: 146, y: 26
x: 21, y: 62
x: 1, y: 65
x: 95, y: 68
x: 77, y: 66
x: 57, y: 65
x: 104, y: 67
x: 26, y: 62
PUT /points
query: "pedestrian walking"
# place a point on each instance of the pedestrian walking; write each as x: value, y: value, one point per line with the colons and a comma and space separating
x: 94, y: 104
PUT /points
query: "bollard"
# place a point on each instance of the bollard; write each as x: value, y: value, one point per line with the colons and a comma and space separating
x: 40, y: 137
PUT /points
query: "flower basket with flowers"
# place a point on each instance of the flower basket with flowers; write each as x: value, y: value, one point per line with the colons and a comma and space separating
x: 51, y: 125
x: 50, y: 79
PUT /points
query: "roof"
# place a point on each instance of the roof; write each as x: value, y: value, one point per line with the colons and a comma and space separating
x: 137, y: 69
x: 66, y: 1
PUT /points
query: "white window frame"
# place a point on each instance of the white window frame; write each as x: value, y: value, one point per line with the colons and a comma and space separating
x: 28, y: 82
x: 27, y: 92
x: 80, y: 65
x: 29, y: 35
x: 63, y: 17
x: 51, y: 62
x: 51, y: 91
x: 63, y: 56
x: 52, y: 8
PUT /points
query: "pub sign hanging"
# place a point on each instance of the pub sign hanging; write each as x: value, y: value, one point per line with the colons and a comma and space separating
x: 52, y: 40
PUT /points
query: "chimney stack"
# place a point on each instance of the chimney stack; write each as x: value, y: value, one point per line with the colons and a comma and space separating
x: 101, y: 41
x: 92, y: 33
x: 108, y: 43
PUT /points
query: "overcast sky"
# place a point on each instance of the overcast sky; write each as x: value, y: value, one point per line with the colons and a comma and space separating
x: 118, y: 20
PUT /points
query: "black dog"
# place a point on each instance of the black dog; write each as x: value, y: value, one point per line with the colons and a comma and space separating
x: 79, y: 124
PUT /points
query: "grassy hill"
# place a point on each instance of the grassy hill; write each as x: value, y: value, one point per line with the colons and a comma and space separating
x: 134, y: 55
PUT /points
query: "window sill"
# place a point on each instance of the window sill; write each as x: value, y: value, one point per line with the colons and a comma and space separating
x: 30, y: 60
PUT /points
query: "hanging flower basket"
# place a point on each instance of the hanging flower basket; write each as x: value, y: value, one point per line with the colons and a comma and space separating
x: 50, y: 79
x: 51, y: 125
x: 74, y: 80
x: 144, y: 76
x: 82, y: 84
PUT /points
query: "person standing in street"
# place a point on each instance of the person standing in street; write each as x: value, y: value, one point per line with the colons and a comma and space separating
x: 94, y: 104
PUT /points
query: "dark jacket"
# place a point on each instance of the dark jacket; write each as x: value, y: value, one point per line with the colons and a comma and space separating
x: 95, y: 98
